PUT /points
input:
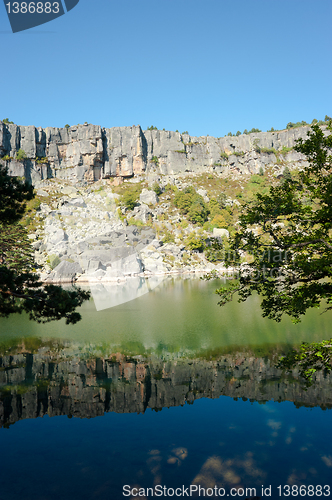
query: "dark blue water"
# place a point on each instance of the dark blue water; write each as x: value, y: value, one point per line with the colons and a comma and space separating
x: 221, y: 442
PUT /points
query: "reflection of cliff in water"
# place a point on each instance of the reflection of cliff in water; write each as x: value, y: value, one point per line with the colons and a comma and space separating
x: 63, y: 380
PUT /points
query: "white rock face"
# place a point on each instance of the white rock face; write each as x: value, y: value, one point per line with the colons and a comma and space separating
x: 87, y: 153
x: 220, y: 233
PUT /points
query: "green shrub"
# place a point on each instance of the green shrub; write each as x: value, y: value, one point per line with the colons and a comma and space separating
x: 130, y: 196
x: 191, y: 203
x: 195, y: 242
x: 67, y: 126
x: 155, y: 160
x: 157, y: 189
x: 285, y: 150
x: 215, y: 251
x: 167, y: 236
x: 171, y: 187
x: 42, y: 160
x: 297, y: 124
x: 21, y: 155
x: 152, y: 128
x: 198, y: 212
x: 287, y: 174
x: 269, y: 150
x: 6, y: 120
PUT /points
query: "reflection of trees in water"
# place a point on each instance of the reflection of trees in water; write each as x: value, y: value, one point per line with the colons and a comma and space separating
x: 308, y: 359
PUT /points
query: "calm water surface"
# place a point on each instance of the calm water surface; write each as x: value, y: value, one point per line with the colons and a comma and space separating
x: 168, y: 389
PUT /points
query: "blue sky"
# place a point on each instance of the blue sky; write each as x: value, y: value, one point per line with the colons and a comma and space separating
x: 206, y: 66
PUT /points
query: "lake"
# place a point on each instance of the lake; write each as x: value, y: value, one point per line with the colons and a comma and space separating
x: 165, y: 395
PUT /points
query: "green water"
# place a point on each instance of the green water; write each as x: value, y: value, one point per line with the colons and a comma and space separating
x: 179, y: 315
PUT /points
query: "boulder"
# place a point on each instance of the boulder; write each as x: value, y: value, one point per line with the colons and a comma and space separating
x: 142, y: 213
x: 204, y: 195
x: 220, y: 233
x: 65, y: 271
x: 148, y: 197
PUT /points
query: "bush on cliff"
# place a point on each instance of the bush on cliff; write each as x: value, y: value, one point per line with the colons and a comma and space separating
x: 21, y: 155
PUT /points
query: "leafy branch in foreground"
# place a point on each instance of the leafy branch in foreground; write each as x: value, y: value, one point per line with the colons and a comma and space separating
x: 20, y: 288
x: 286, y: 236
x: 309, y: 359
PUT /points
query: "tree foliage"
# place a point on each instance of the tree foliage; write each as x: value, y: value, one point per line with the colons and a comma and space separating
x: 309, y: 359
x: 20, y: 287
x: 192, y: 204
x: 286, y: 236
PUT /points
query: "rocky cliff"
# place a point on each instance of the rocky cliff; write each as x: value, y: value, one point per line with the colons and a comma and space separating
x: 53, y: 382
x: 89, y: 152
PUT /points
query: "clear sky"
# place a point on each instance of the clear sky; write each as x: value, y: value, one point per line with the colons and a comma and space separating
x: 206, y: 66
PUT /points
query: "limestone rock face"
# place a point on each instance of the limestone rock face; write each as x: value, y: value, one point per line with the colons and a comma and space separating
x: 86, y: 153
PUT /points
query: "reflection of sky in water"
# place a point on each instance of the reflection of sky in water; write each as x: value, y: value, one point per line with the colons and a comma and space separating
x: 107, y: 295
x: 213, y: 442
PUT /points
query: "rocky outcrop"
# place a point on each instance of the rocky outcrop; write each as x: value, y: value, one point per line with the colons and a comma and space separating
x: 66, y: 383
x: 80, y: 237
x: 86, y: 153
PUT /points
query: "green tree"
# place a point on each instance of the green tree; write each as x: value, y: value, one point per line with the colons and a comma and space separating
x: 191, y: 203
x: 287, y: 174
x: 20, y: 288
x: 287, y: 234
